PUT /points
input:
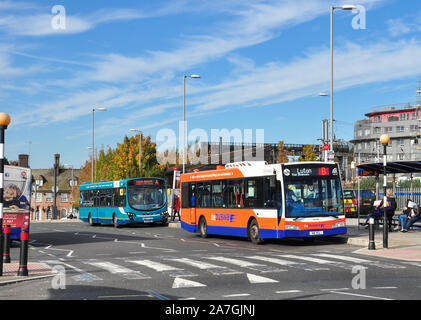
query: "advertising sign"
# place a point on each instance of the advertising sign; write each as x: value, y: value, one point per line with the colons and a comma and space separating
x: 16, y: 199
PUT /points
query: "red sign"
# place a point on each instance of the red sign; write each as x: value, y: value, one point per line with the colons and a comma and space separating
x: 175, y: 168
x: 16, y: 219
x: 325, y: 147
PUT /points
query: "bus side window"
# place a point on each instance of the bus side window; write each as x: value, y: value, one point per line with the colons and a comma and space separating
x: 254, y: 193
x: 217, y: 194
x: 235, y: 193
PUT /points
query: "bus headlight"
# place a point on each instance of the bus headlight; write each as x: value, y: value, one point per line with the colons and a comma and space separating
x: 291, y: 227
x: 338, y: 224
x: 164, y: 212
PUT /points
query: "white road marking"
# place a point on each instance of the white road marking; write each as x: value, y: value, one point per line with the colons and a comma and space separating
x: 116, y: 269
x: 157, y: 266
x: 212, y: 268
x: 259, y: 279
x: 83, y: 276
x: 361, y: 295
x: 361, y: 261
x: 247, y: 264
x: 293, y: 264
x: 236, y: 295
x: 289, y: 291
x: 183, y: 283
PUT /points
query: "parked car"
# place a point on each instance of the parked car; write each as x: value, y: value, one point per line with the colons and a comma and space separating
x: 367, y: 197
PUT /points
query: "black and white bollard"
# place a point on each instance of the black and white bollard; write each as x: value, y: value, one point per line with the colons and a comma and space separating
x: 23, y: 260
x: 371, y: 243
x: 4, y: 122
x: 6, y: 251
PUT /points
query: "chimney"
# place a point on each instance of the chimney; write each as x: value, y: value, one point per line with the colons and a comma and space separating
x: 57, y: 163
x: 23, y: 160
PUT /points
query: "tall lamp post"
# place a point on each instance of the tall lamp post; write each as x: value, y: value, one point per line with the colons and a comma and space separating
x: 72, y: 185
x: 385, y: 139
x: 193, y: 76
x: 140, y: 149
x: 332, y: 9
x: 4, y: 122
x: 93, y: 140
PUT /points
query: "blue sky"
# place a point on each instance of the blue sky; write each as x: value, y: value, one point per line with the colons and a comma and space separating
x: 262, y: 65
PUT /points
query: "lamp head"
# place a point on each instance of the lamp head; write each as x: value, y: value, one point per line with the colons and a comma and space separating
x: 384, y: 139
x: 348, y: 7
x: 4, y: 119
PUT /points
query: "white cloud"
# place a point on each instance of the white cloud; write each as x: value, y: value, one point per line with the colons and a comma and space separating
x: 39, y: 24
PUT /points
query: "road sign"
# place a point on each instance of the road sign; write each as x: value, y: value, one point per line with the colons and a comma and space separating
x: 325, y: 147
x: 331, y: 156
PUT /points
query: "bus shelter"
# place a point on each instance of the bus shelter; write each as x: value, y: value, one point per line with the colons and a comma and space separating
x: 376, y: 169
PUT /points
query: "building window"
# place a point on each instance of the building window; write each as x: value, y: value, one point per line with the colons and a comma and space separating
x: 367, y: 132
x: 414, y: 115
x: 414, y: 127
x: 388, y: 129
x: 400, y: 142
x: 404, y: 116
x: 400, y: 156
x: 377, y: 129
x: 359, y: 133
x: 400, y: 129
x: 38, y: 197
x: 64, y: 197
x: 377, y: 119
x: 48, y: 197
x: 367, y: 145
x: 392, y: 118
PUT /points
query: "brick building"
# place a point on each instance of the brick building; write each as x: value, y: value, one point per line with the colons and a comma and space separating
x: 42, y: 196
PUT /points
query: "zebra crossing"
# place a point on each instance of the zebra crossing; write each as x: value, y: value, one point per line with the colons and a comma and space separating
x: 195, y: 270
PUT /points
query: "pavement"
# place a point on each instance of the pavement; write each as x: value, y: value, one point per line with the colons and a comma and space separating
x: 401, y: 246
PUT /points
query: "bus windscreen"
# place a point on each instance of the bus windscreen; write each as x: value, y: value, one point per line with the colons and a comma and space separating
x: 312, y: 192
x: 144, y: 195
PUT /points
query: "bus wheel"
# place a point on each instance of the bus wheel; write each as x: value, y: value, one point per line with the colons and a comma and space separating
x: 115, y: 223
x: 254, y: 232
x: 203, y: 228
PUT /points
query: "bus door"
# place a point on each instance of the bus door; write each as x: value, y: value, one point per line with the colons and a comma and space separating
x: 192, y: 202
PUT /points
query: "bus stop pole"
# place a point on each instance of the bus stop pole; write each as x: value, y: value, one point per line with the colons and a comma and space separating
x: 385, y: 139
x: 4, y: 122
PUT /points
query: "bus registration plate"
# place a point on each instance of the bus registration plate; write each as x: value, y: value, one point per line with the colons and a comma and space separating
x: 315, y: 233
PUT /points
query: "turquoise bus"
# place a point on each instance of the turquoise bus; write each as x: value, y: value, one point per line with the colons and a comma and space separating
x: 129, y: 201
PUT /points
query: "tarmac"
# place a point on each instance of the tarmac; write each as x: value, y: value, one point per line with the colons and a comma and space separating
x: 401, y: 246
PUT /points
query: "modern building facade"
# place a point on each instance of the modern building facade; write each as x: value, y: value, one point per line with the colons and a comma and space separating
x: 403, y: 125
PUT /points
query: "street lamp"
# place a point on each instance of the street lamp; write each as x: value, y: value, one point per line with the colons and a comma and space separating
x: 93, y: 141
x: 385, y: 139
x: 72, y: 185
x: 193, y: 76
x: 344, y: 7
x: 140, y: 148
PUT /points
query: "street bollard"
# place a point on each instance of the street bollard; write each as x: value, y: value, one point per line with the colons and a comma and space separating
x: 23, y: 260
x: 371, y: 244
x: 6, y: 251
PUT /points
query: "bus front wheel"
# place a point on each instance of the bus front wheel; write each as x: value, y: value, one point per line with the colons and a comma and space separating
x: 203, y: 228
x: 254, y: 232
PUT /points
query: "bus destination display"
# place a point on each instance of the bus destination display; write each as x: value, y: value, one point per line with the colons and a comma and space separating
x: 302, y: 171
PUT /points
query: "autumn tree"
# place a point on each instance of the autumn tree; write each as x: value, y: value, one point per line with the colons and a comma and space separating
x: 308, y: 154
x: 283, y: 153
